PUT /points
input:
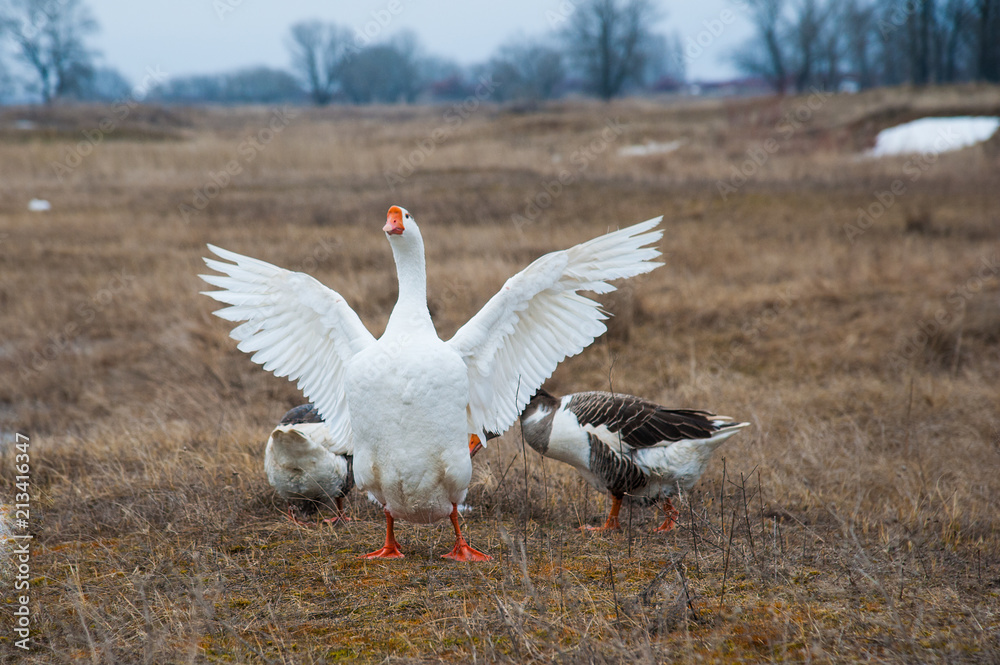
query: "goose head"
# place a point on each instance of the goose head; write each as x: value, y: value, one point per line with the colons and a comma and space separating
x: 405, y: 239
x: 536, y: 420
x: 397, y: 220
x: 541, y: 401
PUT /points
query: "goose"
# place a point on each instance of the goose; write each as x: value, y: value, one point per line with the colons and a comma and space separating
x: 626, y: 445
x: 307, y: 466
x: 409, y: 402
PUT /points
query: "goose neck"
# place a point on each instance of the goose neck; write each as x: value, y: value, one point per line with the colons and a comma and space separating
x: 411, y: 270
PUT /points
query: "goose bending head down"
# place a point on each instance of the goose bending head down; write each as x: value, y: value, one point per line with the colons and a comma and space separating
x: 306, y: 466
x: 415, y: 406
x: 626, y: 446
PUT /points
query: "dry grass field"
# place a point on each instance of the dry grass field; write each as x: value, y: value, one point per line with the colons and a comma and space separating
x: 858, y: 519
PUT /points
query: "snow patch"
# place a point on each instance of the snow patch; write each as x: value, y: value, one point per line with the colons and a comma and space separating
x: 39, y: 205
x: 934, y: 135
x: 650, y: 148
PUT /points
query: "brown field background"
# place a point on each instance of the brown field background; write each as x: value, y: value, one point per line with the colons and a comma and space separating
x: 856, y: 520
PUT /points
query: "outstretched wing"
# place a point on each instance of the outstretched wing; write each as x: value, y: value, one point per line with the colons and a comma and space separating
x: 295, y: 327
x: 538, y: 318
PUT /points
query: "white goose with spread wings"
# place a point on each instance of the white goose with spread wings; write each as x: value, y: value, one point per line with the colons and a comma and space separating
x: 408, y: 401
x: 626, y: 446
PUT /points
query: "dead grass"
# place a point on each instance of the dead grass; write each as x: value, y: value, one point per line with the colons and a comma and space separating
x: 856, y: 521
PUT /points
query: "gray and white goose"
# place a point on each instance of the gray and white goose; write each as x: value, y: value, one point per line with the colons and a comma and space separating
x: 307, y: 466
x: 626, y: 445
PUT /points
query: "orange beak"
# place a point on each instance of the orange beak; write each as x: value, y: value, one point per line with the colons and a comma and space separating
x: 394, y: 221
x: 474, y: 445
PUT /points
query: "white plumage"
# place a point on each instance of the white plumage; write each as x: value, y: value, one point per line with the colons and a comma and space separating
x: 306, y: 466
x: 408, y: 402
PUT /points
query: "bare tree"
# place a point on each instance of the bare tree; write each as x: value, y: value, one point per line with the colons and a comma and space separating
x: 876, y: 42
x: 925, y: 42
x: 49, y: 37
x: 607, y: 40
x: 833, y: 43
x: 317, y: 50
x: 956, y: 44
x: 380, y: 73
x: 764, y: 55
x: 526, y: 70
x: 387, y: 73
x: 987, y: 13
x: 858, y: 24
x: 664, y: 61
x: 807, y: 32
x: 920, y: 29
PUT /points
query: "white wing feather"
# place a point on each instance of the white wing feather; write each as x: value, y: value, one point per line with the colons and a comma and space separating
x: 538, y: 319
x: 295, y: 327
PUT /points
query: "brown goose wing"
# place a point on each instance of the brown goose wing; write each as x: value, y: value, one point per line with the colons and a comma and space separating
x: 639, y: 422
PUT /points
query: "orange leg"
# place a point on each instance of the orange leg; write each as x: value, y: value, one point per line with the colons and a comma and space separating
x: 611, y: 524
x: 671, y: 519
x: 293, y: 519
x: 462, y: 551
x: 341, y: 517
x: 474, y: 445
x: 391, y: 548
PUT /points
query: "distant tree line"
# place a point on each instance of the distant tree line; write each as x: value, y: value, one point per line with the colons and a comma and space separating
x: 604, y: 48
x: 831, y: 44
x: 600, y: 47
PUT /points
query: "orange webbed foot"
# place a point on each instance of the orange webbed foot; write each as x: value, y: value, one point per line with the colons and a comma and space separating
x: 610, y: 525
x: 295, y: 520
x: 463, y: 552
x: 333, y: 521
x: 391, y: 548
x: 387, y: 552
x: 670, y: 521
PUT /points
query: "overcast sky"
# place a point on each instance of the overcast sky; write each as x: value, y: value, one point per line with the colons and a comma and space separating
x: 209, y: 36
